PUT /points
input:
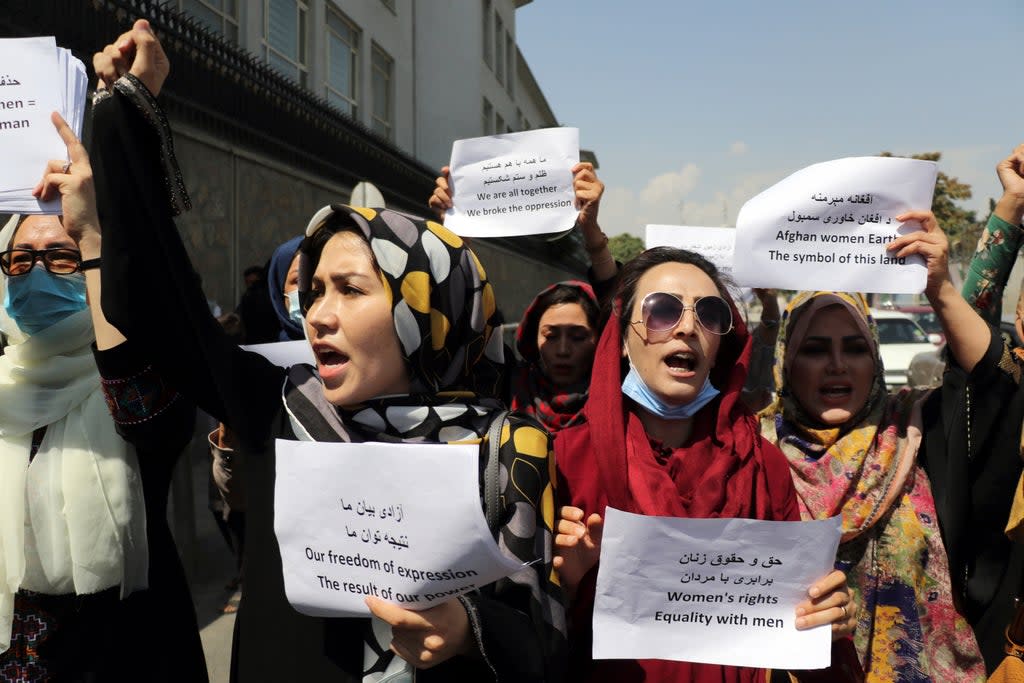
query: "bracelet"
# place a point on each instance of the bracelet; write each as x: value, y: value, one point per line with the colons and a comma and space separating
x: 89, y: 264
x: 603, y: 261
x: 770, y: 324
x: 593, y: 249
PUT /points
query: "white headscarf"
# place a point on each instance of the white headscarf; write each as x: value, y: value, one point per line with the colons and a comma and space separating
x: 75, y: 520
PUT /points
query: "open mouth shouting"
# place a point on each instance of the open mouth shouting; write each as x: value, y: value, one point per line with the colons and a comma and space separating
x: 330, y: 362
x: 682, y: 364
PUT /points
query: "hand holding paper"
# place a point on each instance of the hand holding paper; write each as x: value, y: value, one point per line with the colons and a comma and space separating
x: 427, y: 638
x: 72, y: 183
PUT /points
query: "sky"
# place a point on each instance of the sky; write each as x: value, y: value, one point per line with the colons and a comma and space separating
x: 693, y: 107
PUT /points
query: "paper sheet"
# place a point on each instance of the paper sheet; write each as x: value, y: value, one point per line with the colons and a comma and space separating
x: 717, y: 591
x: 514, y: 184
x: 826, y: 227
x: 402, y: 522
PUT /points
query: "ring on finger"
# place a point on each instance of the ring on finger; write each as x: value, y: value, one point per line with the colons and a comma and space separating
x: 845, y: 613
x: 66, y: 168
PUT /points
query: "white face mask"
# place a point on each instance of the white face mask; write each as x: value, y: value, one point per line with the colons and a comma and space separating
x: 294, y: 310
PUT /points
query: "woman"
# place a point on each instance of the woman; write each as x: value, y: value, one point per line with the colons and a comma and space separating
x: 670, y: 437
x: 919, y: 505
x: 89, y: 574
x: 400, y: 316
x: 283, y: 282
x: 556, y: 341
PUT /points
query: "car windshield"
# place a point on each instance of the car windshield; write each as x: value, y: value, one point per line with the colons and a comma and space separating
x: 900, y: 331
x: 929, y: 322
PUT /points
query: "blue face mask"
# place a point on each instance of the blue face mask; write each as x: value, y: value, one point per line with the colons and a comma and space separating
x: 635, y: 388
x: 40, y: 299
x: 294, y: 310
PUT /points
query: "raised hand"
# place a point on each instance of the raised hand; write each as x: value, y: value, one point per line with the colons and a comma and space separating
x: 577, y: 546
x: 138, y: 52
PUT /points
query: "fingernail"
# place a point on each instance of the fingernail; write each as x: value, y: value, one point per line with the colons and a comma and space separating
x: 801, y: 622
x: 814, y: 592
x: 800, y: 611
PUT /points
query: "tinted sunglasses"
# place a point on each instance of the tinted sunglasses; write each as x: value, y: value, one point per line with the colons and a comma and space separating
x: 59, y: 261
x: 662, y: 312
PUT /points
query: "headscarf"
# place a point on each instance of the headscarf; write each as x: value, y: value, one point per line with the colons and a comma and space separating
x: 533, y: 393
x: 891, y: 547
x: 726, y: 470
x: 277, y: 273
x: 445, y: 317
x: 81, y: 500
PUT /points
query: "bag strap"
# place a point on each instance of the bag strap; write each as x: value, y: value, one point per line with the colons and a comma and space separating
x: 492, y: 473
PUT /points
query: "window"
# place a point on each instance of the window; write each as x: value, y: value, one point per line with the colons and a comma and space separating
x: 499, y: 124
x: 510, y: 64
x: 488, y: 49
x: 342, y: 63
x: 284, y: 37
x: 499, y: 32
x: 485, y: 120
x: 220, y: 16
x: 382, y: 69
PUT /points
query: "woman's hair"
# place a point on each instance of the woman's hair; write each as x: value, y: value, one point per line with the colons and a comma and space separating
x: 635, y: 269
x: 557, y: 295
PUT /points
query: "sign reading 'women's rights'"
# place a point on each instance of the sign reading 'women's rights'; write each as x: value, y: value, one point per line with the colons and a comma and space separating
x: 826, y: 227
x: 513, y: 184
x: 715, y: 591
x: 400, y: 522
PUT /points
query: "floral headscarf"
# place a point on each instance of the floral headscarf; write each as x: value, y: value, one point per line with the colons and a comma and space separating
x: 891, y: 549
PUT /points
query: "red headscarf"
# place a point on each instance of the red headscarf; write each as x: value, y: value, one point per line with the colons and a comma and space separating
x: 726, y: 470
x: 533, y: 393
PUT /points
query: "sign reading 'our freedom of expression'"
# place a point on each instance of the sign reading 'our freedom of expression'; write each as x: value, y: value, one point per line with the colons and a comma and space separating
x: 716, y: 591
x: 400, y: 522
x: 514, y: 184
x: 826, y: 227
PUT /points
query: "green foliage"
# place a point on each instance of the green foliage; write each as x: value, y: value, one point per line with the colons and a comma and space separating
x: 960, y: 225
x: 625, y: 247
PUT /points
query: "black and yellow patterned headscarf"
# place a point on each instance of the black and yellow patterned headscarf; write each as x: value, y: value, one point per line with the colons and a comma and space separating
x: 443, y: 305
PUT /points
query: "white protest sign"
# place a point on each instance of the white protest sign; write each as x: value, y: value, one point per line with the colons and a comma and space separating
x: 30, y: 88
x: 285, y: 354
x: 401, y: 522
x: 514, y: 184
x: 37, y: 78
x: 826, y: 227
x: 715, y: 244
x: 715, y: 591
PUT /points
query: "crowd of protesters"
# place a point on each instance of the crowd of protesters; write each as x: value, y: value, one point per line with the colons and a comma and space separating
x: 632, y: 390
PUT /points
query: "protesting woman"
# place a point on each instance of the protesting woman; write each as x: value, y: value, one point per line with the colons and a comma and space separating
x: 667, y: 434
x: 400, y: 317
x: 919, y: 502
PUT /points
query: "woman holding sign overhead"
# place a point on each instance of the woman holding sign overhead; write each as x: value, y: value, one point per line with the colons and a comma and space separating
x: 91, y: 587
x: 400, y: 316
x: 923, y: 508
x: 667, y: 434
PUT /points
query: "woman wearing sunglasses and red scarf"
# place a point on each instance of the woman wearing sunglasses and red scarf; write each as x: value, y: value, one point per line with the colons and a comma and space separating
x: 667, y: 434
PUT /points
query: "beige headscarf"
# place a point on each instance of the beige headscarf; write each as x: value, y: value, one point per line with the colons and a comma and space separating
x: 73, y: 521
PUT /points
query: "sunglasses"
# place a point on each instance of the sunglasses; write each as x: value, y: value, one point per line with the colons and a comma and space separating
x: 58, y: 261
x: 662, y: 312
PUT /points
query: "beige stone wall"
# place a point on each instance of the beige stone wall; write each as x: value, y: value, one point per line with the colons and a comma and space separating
x: 243, y: 207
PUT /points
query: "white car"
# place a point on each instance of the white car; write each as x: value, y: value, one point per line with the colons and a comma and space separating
x: 900, y: 339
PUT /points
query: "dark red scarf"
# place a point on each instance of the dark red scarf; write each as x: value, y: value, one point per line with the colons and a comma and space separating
x: 726, y: 470
x: 532, y: 392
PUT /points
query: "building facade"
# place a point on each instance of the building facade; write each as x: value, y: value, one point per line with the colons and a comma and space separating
x: 282, y: 106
